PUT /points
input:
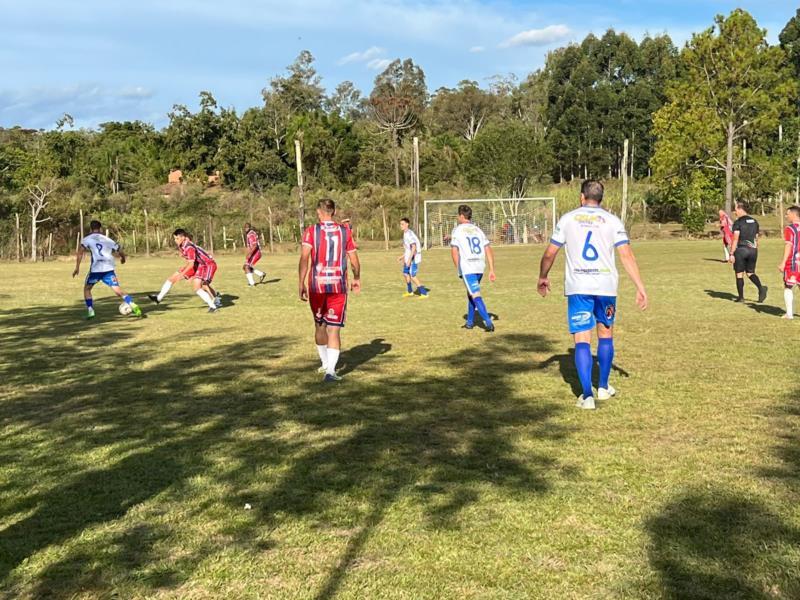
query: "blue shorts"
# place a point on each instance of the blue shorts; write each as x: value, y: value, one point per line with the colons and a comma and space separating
x: 584, y: 312
x: 109, y: 278
x: 473, y: 283
x: 410, y: 269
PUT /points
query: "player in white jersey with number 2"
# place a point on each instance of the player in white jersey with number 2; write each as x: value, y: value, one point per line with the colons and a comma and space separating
x: 591, y: 234
x: 411, y: 258
x: 471, y: 250
x: 102, y: 249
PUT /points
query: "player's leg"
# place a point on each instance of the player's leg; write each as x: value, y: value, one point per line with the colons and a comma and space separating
x: 605, y: 314
x: 334, y: 317
x: 253, y: 260
x: 423, y: 292
x: 725, y: 250
x: 127, y: 299
x: 321, y: 340
x: 473, y: 283
x: 470, y: 323
x: 197, y: 285
x: 739, y: 260
x: 248, y: 273
x: 334, y: 349
x: 87, y: 296
x: 581, y: 320
x: 751, y: 273
x: 790, y: 281
x: 407, y: 278
x: 171, y: 280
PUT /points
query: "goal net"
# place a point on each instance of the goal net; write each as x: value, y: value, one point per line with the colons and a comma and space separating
x: 503, y: 220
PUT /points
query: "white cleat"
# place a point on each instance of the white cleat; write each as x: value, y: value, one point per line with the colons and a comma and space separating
x: 606, y: 393
x: 585, y: 403
x: 322, y: 370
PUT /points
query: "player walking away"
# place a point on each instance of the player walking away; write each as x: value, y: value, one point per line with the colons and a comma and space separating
x: 326, y: 248
x: 471, y: 250
x: 253, y: 256
x: 102, y: 250
x: 412, y: 256
x: 725, y: 225
x: 590, y: 234
x: 199, y: 268
x: 744, y: 251
x: 790, y: 265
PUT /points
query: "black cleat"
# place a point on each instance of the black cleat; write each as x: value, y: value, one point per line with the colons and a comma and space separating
x: 213, y: 310
x: 263, y: 277
x: 762, y: 294
x: 154, y: 298
x: 489, y: 328
x: 469, y: 326
x: 739, y: 300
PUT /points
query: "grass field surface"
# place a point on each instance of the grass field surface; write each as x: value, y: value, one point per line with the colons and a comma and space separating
x: 448, y: 463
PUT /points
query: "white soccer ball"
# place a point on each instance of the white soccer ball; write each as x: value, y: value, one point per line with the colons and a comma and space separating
x: 125, y: 309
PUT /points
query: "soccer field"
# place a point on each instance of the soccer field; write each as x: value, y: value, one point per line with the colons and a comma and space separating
x: 195, y: 455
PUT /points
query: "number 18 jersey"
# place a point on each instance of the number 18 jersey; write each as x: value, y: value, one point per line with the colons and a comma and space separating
x: 590, y: 235
x: 471, y: 243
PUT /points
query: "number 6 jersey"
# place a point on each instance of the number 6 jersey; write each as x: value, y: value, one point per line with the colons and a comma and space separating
x: 471, y: 243
x: 590, y: 234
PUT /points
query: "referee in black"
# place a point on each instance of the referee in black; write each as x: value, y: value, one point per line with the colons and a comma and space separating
x: 744, y: 251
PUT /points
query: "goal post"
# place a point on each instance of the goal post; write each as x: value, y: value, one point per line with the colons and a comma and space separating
x: 505, y: 221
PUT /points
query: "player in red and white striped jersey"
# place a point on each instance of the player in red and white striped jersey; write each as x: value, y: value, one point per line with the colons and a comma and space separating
x: 790, y: 264
x: 253, y: 256
x: 327, y: 246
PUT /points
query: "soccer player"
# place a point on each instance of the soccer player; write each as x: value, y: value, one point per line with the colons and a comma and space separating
x: 471, y: 250
x: 790, y: 265
x: 412, y: 256
x: 725, y: 224
x: 590, y: 235
x: 327, y: 246
x: 199, y: 268
x: 253, y: 256
x: 744, y: 252
x: 102, y: 250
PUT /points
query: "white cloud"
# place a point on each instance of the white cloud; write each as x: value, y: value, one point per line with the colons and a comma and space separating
x: 477, y: 49
x: 538, y: 37
x: 367, y: 55
x: 378, y: 64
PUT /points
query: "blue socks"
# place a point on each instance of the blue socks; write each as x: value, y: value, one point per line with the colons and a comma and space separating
x: 408, y: 287
x: 127, y: 299
x: 89, y: 302
x: 482, y: 310
x: 605, y: 356
x: 470, y: 310
x: 584, y: 363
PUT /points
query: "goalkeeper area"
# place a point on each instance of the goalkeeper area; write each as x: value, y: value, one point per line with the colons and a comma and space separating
x: 505, y: 221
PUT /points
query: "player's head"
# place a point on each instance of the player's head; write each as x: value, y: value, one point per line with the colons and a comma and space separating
x: 793, y: 214
x: 722, y: 214
x: 326, y: 208
x: 95, y: 225
x: 405, y: 223
x: 247, y: 227
x: 741, y: 208
x: 180, y: 236
x: 464, y: 213
x: 591, y: 192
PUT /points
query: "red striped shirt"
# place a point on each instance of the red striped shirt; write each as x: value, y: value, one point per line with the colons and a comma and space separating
x: 330, y: 242
x: 252, y: 240
x: 191, y: 251
x: 791, y: 235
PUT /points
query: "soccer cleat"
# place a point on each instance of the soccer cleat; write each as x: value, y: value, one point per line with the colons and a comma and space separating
x: 90, y: 314
x: 331, y: 378
x: 262, y: 278
x: 585, y: 403
x: 408, y: 294
x: 489, y: 328
x: 469, y: 325
x: 322, y: 370
x: 154, y: 298
x: 421, y: 295
x: 606, y: 393
x: 213, y: 309
x: 739, y: 300
x: 136, y: 310
x: 762, y: 294
x: 787, y: 317
x: 218, y: 301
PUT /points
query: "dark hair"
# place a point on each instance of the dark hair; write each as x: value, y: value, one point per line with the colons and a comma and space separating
x: 592, y: 190
x: 327, y: 205
x: 248, y: 226
x: 406, y: 220
x: 180, y: 231
x: 743, y: 205
x: 465, y: 211
x: 795, y: 210
x: 94, y: 225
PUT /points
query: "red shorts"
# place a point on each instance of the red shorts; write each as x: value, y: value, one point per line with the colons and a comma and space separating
x: 253, y: 258
x: 205, y: 273
x: 189, y: 273
x: 328, y: 308
x: 791, y: 278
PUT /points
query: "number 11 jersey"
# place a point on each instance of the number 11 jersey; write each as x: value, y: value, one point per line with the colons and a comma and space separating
x: 590, y: 234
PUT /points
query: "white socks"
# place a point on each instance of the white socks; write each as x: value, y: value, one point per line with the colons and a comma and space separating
x: 333, y: 358
x: 258, y: 273
x: 164, y: 289
x: 250, y: 279
x: 788, y: 298
x: 205, y: 297
x: 323, y: 355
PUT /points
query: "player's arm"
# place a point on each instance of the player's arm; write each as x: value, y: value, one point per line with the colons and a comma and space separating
x: 787, y: 253
x: 305, y: 259
x: 121, y: 253
x: 78, y: 259
x: 454, y: 255
x: 355, y: 265
x: 548, y: 258
x: 411, y: 254
x: 490, y: 259
x: 734, y: 244
x: 632, y: 268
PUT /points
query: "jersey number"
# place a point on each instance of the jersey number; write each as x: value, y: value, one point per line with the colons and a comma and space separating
x: 474, y: 245
x: 99, y: 249
x: 590, y: 253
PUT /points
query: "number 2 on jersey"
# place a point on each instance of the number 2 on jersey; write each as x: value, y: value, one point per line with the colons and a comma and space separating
x: 474, y: 245
x: 590, y: 253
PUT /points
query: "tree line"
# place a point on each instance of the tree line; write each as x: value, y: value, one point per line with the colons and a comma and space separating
x: 715, y: 120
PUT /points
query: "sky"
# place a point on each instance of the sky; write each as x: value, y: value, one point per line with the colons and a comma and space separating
x: 103, y: 60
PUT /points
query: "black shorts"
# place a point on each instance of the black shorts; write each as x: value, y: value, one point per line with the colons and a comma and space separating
x: 745, y: 259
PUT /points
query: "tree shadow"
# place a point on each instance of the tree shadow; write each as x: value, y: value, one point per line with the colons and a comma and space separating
x: 566, y: 367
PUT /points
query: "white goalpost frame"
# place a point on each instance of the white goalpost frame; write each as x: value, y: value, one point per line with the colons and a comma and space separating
x: 542, y: 199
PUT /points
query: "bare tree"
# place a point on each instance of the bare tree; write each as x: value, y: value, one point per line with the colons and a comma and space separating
x: 393, y: 114
x: 38, y: 199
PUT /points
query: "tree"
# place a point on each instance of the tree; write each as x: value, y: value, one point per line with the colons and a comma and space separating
x: 790, y: 42
x: 462, y: 111
x: 38, y: 198
x: 732, y: 85
x: 346, y: 102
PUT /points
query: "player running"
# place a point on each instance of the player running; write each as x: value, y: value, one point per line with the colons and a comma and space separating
x: 790, y: 265
x: 744, y: 252
x: 412, y: 256
x: 102, y: 250
x: 199, y: 268
x: 326, y: 248
x: 590, y: 234
x: 725, y: 224
x: 253, y: 256
x: 471, y: 250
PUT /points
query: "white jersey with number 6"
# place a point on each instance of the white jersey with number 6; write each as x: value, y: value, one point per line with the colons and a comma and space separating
x: 471, y: 243
x: 590, y: 234
x: 102, y: 249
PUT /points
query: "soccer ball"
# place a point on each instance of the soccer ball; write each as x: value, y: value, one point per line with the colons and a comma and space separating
x: 125, y: 309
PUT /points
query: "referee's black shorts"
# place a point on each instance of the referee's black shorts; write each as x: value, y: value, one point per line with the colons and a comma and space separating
x: 745, y: 259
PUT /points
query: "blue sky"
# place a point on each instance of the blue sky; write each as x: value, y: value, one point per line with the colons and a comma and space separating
x: 133, y: 59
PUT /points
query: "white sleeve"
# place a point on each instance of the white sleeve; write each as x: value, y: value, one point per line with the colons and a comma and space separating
x: 453, y: 236
x: 559, y: 237
x: 620, y: 235
x: 485, y: 241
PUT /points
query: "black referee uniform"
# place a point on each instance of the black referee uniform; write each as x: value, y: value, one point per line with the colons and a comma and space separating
x: 746, y: 256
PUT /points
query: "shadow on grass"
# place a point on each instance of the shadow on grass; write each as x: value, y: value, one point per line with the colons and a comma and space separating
x: 566, y: 367
x: 759, y: 308
x: 79, y: 398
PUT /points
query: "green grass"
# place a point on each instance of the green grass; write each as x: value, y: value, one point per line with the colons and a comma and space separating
x: 448, y: 464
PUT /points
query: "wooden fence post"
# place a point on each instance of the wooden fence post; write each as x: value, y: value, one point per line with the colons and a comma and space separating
x: 271, y: 246
x: 146, y: 234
